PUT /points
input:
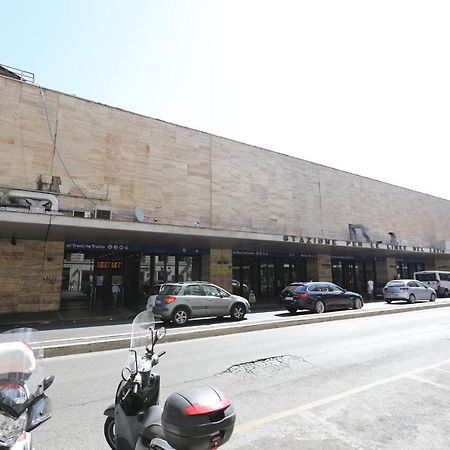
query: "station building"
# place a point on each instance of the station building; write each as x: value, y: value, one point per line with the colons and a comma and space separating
x: 92, y: 197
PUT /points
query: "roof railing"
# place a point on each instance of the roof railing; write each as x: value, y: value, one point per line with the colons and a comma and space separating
x: 22, y: 74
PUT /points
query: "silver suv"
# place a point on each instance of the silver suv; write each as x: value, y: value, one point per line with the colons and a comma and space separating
x: 179, y: 302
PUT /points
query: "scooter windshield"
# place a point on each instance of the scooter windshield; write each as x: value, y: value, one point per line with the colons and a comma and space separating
x: 141, y: 336
x: 21, y: 352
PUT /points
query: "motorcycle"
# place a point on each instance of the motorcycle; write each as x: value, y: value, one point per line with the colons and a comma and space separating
x: 23, y: 403
x: 201, y: 418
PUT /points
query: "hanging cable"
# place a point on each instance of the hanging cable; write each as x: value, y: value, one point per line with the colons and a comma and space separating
x: 55, y: 149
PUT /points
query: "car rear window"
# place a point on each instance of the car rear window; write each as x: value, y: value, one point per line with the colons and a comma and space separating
x: 395, y: 284
x: 425, y: 276
x: 301, y: 288
x: 289, y: 289
x: 170, y: 289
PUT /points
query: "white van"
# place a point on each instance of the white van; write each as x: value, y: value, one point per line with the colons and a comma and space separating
x: 437, y: 279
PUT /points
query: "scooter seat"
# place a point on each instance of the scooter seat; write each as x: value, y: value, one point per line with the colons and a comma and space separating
x: 151, y: 425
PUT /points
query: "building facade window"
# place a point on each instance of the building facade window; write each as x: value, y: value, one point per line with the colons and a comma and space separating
x: 266, y: 275
x: 99, y: 279
x: 406, y: 269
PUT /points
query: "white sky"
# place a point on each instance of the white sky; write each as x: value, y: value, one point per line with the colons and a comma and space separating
x: 357, y: 85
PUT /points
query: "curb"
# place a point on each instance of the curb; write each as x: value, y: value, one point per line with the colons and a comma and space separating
x: 77, y: 345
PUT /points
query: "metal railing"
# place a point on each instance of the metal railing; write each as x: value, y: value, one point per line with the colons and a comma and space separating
x: 22, y: 74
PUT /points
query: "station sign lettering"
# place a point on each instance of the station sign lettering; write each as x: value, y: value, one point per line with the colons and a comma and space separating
x: 378, y: 245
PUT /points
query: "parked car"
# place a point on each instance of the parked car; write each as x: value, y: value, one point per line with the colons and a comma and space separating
x: 439, y: 280
x: 288, y: 290
x: 409, y: 290
x: 319, y: 297
x: 179, y: 302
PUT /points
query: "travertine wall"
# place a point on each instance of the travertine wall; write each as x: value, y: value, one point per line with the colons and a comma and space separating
x: 177, y: 175
x: 30, y: 274
x: 221, y: 267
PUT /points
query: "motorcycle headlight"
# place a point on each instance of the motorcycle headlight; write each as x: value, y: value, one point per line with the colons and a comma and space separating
x: 11, y: 429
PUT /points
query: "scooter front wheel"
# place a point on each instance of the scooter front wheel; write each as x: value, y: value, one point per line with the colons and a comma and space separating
x: 109, y: 431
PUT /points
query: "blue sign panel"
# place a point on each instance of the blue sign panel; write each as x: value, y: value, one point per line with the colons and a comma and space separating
x: 131, y: 248
x: 271, y: 254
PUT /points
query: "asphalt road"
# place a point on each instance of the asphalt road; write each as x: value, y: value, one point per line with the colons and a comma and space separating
x: 378, y: 382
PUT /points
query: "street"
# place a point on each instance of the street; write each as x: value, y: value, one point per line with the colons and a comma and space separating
x: 366, y: 383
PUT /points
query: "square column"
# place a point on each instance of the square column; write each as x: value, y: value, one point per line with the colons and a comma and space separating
x: 319, y: 269
x: 218, y: 268
x: 386, y: 270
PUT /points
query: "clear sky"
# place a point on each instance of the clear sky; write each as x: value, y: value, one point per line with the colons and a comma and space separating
x: 362, y: 86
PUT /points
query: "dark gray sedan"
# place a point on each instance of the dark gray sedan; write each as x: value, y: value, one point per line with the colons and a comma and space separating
x: 320, y: 297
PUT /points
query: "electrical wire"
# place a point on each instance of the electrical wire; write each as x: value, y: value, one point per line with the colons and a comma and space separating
x: 55, y: 149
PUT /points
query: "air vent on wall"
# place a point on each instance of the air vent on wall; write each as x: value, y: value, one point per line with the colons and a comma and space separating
x: 85, y: 214
x: 103, y: 213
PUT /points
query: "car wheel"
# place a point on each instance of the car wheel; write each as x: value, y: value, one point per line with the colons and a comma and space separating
x: 446, y: 292
x: 357, y: 304
x: 389, y: 301
x: 180, y: 317
x: 291, y: 309
x: 412, y: 299
x: 319, y: 307
x: 109, y: 431
x: 432, y: 298
x: 238, y: 311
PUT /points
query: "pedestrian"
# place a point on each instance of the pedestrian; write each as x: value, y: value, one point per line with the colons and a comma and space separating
x: 115, y: 293
x: 370, y: 289
x: 99, y: 294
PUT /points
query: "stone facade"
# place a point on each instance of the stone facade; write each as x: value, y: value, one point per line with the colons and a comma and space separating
x: 178, y: 175
x: 108, y: 157
x: 30, y: 274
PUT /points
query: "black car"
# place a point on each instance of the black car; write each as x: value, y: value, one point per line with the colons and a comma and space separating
x: 318, y: 297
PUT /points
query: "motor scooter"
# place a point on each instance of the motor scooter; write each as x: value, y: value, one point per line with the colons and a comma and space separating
x: 23, y: 403
x: 200, y: 418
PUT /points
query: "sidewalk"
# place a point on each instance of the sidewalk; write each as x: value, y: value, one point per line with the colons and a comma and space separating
x: 67, y: 317
x: 82, y: 316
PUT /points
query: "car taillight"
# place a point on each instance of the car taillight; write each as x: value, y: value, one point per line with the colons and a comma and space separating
x: 302, y: 296
x: 169, y: 299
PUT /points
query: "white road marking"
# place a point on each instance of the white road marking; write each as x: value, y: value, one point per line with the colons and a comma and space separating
x: 246, y: 427
x: 440, y: 369
x: 424, y: 380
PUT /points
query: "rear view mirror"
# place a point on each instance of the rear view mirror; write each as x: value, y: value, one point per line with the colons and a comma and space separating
x: 48, y: 381
x: 126, y: 374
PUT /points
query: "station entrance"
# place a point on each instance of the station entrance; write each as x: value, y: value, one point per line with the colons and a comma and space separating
x: 95, y: 278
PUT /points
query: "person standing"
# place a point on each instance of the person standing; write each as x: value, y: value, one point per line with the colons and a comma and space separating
x: 370, y: 289
x: 115, y: 293
x: 99, y: 297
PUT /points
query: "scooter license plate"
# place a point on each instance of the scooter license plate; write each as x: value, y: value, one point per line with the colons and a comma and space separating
x: 289, y: 298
